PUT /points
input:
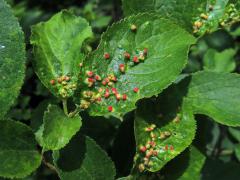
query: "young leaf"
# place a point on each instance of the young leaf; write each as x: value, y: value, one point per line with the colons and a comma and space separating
x: 219, y: 61
x: 216, y: 95
x: 57, y: 47
x: 57, y: 128
x: 12, y: 58
x: 114, y: 82
x: 18, y: 150
x: 82, y: 158
x: 185, y: 166
x: 160, y: 139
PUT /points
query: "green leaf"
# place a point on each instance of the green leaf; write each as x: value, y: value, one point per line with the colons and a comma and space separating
x: 57, y: 128
x: 57, y: 44
x: 237, y: 151
x: 235, y: 32
x: 216, y: 95
x: 168, y: 47
x: 185, y: 166
x: 82, y: 158
x: 181, y: 11
x: 18, y: 150
x: 169, y: 138
x: 235, y: 132
x: 219, y: 61
x: 198, y: 16
x: 12, y: 58
x: 222, y: 15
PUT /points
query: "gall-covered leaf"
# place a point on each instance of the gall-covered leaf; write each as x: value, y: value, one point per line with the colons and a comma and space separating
x: 160, y: 139
x: 137, y: 58
x: 57, y: 48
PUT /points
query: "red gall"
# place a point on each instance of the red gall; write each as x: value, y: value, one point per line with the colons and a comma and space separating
x: 110, y: 108
x: 152, y: 143
x: 155, y: 153
x: 59, y: 80
x: 135, y: 59
x: 148, y: 129
x: 67, y: 78
x: 52, y: 82
x: 98, y: 78
x: 145, y: 51
x: 107, y: 94
x: 89, y: 73
x: 127, y: 55
x: 118, y: 96
x: 124, y: 97
x: 149, y: 154
x: 104, y: 83
x: 107, y: 80
x: 142, y: 149
x: 122, y: 68
x: 106, y: 55
x: 135, y: 89
x: 100, y: 90
x: 114, y: 90
x: 91, y: 80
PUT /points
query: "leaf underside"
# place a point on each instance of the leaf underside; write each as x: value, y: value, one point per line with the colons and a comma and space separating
x: 57, y: 48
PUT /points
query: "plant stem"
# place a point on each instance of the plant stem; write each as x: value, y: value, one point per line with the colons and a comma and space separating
x: 65, y: 109
x: 226, y: 152
x: 76, y: 111
x: 49, y: 165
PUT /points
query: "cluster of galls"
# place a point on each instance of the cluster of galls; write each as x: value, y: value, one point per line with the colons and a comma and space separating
x: 231, y: 15
x: 201, y: 20
x: 106, y: 90
x: 150, y: 150
x: 105, y: 86
x: 204, y: 24
x: 64, y: 86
